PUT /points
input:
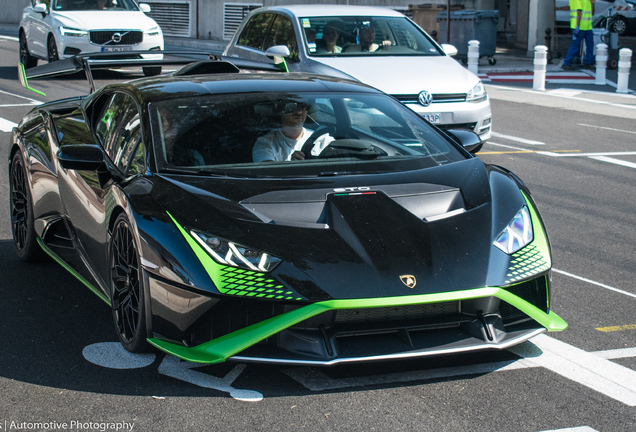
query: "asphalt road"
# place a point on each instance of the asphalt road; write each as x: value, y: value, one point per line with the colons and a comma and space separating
x: 61, y: 368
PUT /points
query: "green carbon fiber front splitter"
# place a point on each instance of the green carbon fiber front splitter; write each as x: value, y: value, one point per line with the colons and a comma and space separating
x: 220, y: 349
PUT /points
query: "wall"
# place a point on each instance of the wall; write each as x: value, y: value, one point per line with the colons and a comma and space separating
x: 12, y: 10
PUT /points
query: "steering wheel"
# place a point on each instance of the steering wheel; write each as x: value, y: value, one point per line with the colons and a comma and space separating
x: 309, y: 144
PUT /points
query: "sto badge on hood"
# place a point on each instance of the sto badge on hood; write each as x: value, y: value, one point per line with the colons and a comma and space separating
x: 408, y: 280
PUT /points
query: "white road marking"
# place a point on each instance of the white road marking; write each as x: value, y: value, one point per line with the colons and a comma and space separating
x: 173, y: 367
x: 594, y: 283
x: 517, y: 139
x: 601, y: 375
x: 606, y: 128
x: 506, y: 146
x: 549, y: 153
x: 113, y: 356
x: 11, y: 38
x: 33, y: 101
x: 617, y: 353
x: 588, y: 369
x: 614, y: 161
x: 6, y: 125
x: 573, y: 429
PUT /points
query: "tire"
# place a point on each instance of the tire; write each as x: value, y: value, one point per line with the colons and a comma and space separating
x: 51, y: 48
x: 21, y: 208
x: 492, y: 61
x: 127, y: 287
x: 25, y: 57
x: 152, y: 70
x: 619, y: 25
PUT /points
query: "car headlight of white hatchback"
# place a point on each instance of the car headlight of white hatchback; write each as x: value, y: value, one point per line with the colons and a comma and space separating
x: 517, y: 234
x: 235, y: 255
x: 477, y: 93
x: 67, y: 31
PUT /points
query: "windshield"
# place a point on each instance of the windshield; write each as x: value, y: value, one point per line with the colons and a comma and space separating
x: 288, y: 134
x: 85, y: 5
x: 348, y: 36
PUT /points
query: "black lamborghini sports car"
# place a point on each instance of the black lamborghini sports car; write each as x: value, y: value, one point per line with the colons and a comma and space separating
x: 365, y: 233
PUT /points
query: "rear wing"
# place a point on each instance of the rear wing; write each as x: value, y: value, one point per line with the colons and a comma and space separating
x: 193, y: 62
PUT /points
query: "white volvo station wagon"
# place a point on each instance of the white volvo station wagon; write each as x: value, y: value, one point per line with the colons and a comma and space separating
x: 377, y: 46
x: 56, y: 29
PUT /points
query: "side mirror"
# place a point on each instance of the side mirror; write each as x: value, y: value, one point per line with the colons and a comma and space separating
x: 278, y: 51
x: 88, y: 157
x: 449, y: 49
x: 144, y: 7
x: 40, y: 8
x: 468, y: 139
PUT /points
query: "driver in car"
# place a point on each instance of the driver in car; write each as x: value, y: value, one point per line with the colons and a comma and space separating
x: 367, y: 40
x: 286, y: 142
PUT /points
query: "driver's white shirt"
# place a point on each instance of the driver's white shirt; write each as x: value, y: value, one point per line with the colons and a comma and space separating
x: 275, y: 146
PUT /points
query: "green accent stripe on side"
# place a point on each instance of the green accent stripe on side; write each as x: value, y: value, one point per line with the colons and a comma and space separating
x: 220, y: 349
x: 540, y: 240
x: 74, y: 273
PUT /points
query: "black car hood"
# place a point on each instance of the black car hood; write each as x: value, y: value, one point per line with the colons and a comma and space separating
x: 353, y: 236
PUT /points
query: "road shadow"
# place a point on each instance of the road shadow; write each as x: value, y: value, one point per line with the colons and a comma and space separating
x: 9, y: 72
x: 49, y: 318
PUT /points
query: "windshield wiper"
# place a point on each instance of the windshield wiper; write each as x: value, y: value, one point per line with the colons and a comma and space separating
x: 339, y: 173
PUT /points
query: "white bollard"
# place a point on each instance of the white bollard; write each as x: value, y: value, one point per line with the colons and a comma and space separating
x: 601, y: 63
x: 540, y: 65
x: 473, y: 56
x: 624, y: 64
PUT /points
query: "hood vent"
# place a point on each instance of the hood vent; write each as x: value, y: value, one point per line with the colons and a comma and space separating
x: 307, y: 208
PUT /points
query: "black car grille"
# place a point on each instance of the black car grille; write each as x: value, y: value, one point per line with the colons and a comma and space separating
x: 437, y: 98
x: 396, y: 313
x: 534, y: 291
x: 105, y: 37
x: 230, y: 315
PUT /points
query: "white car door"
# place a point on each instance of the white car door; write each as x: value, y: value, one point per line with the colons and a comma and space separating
x: 39, y: 29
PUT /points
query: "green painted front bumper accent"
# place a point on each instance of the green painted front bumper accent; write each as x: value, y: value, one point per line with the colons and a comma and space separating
x: 220, y: 349
x: 235, y: 281
x: 74, y: 273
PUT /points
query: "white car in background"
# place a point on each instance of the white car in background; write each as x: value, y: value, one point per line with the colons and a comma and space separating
x: 623, y: 13
x: 57, y: 29
x: 404, y: 61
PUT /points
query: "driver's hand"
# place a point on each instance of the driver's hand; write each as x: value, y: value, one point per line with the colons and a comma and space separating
x: 298, y: 155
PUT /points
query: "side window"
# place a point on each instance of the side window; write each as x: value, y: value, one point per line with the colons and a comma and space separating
x: 282, y: 33
x: 42, y: 146
x: 254, y: 32
x: 119, y: 129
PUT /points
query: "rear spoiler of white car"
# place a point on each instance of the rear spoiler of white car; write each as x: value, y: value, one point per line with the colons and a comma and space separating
x: 196, y: 63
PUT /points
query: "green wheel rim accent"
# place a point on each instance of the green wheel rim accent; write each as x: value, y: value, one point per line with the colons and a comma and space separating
x: 74, y: 273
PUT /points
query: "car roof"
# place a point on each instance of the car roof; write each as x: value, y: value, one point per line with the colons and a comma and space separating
x: 161, y: 88
x: 320, y: 10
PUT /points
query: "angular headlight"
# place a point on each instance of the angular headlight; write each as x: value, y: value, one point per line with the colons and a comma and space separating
x: 517, y: 234
x: 477, y: 93
x: 235, y: 255
x: 153, y: 31
x: 65, y: 31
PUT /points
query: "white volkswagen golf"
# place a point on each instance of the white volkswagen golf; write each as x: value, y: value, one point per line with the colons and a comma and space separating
x: 377, y: 46
x: 57, y: 29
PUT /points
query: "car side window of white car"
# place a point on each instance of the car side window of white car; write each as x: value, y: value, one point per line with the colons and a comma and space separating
x: 254, y: 32
x: 282, y: 33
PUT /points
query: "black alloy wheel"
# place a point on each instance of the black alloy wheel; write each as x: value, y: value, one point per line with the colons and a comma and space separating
x: 127, y: 288
x: 619, y: 25
x: 52, y: 50
x: 24, y: 237
x: 25, y: 57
